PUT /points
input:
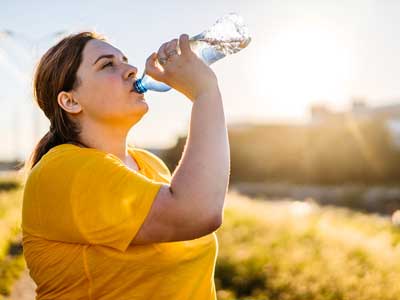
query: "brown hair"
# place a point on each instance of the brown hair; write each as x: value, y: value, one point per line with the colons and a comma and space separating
x: 56, y: 72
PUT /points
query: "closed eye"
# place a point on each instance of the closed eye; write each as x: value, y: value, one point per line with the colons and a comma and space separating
x: 108, y: 64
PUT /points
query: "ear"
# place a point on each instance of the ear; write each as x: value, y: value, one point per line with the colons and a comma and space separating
x: 68, y: 103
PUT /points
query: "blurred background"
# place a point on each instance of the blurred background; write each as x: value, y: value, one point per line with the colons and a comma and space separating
x: 313, y: 113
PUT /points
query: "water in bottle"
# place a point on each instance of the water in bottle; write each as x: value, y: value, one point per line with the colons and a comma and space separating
x: 227, y: 36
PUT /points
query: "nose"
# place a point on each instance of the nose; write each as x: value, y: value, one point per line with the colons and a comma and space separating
x: 131, y: 71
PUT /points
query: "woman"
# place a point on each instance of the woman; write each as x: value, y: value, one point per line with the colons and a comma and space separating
x: 103, y: 219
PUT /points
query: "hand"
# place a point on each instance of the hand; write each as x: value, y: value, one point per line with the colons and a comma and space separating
x: 181, y: 69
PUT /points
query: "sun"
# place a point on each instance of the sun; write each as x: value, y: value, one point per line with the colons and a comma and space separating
x: 304, y: 65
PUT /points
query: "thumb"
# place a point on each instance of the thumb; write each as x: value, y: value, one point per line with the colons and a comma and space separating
x: 153, y: 68
x: 184, y: 44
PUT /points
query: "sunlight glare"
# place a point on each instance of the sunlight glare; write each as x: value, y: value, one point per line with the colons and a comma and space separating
x: 300, y: 208
x: 303, y: 65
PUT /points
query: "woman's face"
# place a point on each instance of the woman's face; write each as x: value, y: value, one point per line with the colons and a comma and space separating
x: 105, y: 94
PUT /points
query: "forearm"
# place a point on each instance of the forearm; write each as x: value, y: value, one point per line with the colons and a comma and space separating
x: 202, y: 175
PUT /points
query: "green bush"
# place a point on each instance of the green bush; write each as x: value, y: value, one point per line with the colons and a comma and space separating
x: 9, y: 184
x: 11, y: 264
x: 291, y: 250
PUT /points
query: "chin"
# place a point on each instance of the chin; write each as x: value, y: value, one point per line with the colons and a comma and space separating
x: 137, y: 114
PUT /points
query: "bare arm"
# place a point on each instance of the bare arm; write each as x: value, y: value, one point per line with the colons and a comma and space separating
x: 202, y: 175
x: 192, y: 205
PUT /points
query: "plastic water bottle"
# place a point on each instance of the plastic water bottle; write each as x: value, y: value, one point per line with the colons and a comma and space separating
x: 228, y: 35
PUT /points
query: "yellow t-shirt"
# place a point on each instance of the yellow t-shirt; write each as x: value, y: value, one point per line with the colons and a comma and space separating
x: 81, y: 209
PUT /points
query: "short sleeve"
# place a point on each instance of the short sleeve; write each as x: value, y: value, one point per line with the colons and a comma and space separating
x: 110, y: 202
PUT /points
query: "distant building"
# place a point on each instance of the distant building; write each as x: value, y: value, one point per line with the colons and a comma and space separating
x: 390, y: 114
x: 10, y: 165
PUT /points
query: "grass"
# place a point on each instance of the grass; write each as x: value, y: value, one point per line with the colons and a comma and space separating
x: 10, y: 270
x: 11, y: 265
x: 291, y: 250
x: 10, y: 217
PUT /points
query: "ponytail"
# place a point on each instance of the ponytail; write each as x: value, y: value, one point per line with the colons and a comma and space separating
x: 56, y: 72
x: 57, y: 135
x: 41, y: 148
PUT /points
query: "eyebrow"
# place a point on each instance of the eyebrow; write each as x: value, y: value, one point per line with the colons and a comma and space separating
x: 124, y: 58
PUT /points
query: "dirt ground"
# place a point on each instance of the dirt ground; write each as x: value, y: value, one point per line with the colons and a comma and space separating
x: 24, y: 288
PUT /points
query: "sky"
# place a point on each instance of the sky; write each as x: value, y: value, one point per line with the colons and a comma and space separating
x: 302, y: 52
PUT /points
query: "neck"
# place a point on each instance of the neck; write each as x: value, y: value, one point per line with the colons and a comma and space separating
x: 106, y: 138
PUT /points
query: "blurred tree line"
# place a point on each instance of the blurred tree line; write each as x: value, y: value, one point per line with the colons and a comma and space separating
x: 352, y: 151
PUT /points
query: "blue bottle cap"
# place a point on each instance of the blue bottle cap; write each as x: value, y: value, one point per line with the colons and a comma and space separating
x: 139, y: 87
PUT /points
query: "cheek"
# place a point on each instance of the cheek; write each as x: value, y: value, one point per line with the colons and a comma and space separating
x: 105, y: 95
x: 104, y: 107
x: 108, y: 86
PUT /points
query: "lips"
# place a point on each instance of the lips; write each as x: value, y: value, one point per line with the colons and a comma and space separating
x: 140, y: 96
x: 133, y: 86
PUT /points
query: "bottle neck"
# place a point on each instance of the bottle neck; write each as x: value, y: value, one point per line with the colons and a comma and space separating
x: 139, y: 87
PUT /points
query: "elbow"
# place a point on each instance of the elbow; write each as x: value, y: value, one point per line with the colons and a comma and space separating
x: 216, y: 222
x: 218, y: 217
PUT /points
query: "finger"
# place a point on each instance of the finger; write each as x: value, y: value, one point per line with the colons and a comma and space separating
x: 151, y: 61
x: 152, y: 68
x: 184, y: 44
x: 161, y: 51
x: 171, y: 51
x: 171, y: 47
